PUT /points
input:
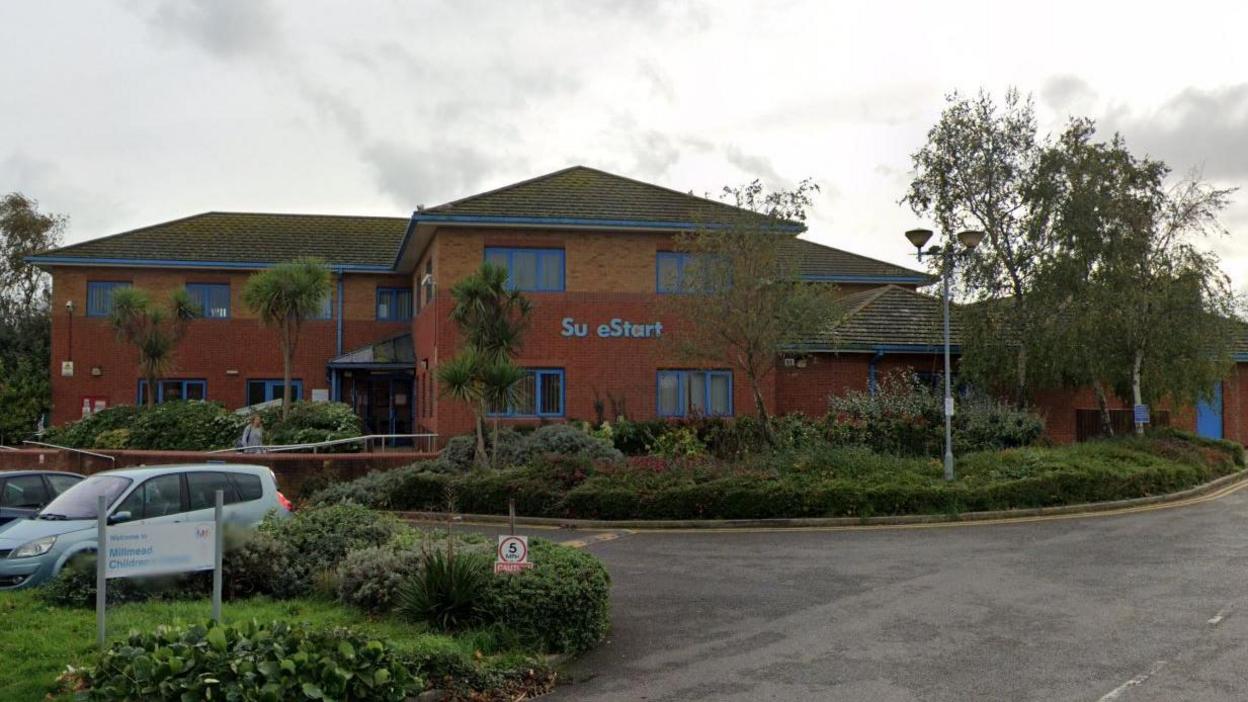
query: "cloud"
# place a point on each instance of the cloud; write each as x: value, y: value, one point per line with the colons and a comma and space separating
x: 1206, y: 129
x: 90, y: 213
x: 224, y: 28
x: 429, y: 175
x: 1067, y: 94
x: 654, y: 76
x: 755, y: 166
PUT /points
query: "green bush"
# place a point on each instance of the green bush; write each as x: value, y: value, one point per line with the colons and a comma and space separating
x: 368, y: 578
x: 568, y: 440
x: 317, y: 539
x: 561, y: 604
x: 113, y: 439
x: 83, y: 433
x: 446, y: 592
x: 252, y: 661
x: 312, y: 422
x: 184, y: 425
x: 519, y: 449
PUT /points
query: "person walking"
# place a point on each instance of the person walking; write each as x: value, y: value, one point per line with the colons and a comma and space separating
x: 253, y: 435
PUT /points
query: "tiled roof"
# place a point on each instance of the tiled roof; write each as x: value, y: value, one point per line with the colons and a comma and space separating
x: 244, y: 237
x: 824, y: 262
x: 581, y: 194
x: 889, y: 316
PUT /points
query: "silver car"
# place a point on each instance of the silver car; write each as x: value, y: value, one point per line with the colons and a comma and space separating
x: 33, y: 551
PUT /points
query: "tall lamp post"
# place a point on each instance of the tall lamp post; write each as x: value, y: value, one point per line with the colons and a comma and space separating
x: 948, y: 261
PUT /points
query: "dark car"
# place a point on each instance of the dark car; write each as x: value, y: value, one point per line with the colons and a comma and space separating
x: 25, y: 492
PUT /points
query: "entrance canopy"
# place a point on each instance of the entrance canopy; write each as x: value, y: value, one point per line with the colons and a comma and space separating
x: 390, y: 354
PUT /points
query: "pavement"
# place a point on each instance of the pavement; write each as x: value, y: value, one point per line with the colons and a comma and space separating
x: 1148, y: 605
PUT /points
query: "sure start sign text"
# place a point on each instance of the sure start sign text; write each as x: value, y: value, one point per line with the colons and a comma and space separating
x: 615, y: 328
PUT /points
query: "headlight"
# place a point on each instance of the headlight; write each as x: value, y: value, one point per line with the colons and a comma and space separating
x: 38, y: 547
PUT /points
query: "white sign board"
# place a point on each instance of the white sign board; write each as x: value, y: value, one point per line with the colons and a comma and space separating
x: 513, y: 554
x: 158, y: 549
x: 320, y: 394
x: 67, y: 369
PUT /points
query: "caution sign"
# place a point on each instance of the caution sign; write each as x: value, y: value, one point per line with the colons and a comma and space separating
x: 513, y: 554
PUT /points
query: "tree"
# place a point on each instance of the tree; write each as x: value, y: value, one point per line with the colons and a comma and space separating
x: 25, y: 326
x: 744, y: 301
x: 285, y: 296
x: 1138, y: 307
x: 979, y: 170
x: 492, y: 318
x: 153, y: 330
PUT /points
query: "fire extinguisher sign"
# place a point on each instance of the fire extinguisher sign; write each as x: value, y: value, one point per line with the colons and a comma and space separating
x: 513, y: 554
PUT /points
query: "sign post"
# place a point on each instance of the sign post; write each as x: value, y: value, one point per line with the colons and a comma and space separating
x: 217, y: 553
x: 101, y: 578
x: 513, y: 554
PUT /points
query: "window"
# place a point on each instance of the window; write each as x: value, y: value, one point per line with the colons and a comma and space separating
x: 203, y: 487
x: 530, y: 270
x: 158, y: 497
x: 394, y: 304
x: 213, y: 299
x: 538, y: 394
x: 684, y: 393
x: 265, y: 390
x: 686, y: 272
x: 100, y: 297
x: 326, y: 310
x: 61, y: 483
x: 248, y: 487
x: 23, y: 492
x: 170, y: 390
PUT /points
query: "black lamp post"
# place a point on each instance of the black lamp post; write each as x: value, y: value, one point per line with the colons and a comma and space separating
x: 969, y: 240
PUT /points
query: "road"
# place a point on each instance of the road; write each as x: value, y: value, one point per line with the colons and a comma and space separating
x: 1146, y: 606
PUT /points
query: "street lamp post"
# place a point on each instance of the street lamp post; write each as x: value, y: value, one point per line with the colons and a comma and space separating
x: 969, y: 239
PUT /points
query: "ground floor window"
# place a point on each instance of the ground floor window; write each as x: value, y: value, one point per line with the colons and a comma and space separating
x: 170, y: 390
x: 259, y: 391
x: 538, y: 394
x: 684, y: 393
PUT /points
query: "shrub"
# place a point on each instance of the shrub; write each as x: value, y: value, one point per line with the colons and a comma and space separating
x: 83, y: 433
x: 113, y: 439
x: 459, y: 450
x: 567, y: 440
x: 635, y: 438
x: 317, y: 539
x: 447, y: 591
x: 561, y: 604
x: 368, y: 578
x: 256, y: 563
x: 312, y: 422
x: 376, y: 489
x: 184, y: 425
x: 252, y: 661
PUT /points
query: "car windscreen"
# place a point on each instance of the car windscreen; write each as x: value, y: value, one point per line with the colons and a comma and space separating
x: 79, y: 502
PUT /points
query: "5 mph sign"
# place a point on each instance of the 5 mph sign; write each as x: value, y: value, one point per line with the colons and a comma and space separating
x: 513, y: 554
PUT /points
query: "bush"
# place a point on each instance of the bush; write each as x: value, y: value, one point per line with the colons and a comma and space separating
x: 369, y: 578
x: 561, y: 604
x: 252, y: 661
x: 258, y: 563
x: 312, y: 422
x: 184, y: 425
x: 519, y: 449
x: 446, y: 593
x: 315, y: 540
x: 567, y: 440
x: 83, y: 433
x: 377, y: 489
x: 113, y: 439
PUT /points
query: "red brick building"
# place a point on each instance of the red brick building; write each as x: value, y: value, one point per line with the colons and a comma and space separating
x: 594, y: 253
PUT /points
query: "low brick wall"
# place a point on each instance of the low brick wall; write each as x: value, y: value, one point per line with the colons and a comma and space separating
x: 297, y: 473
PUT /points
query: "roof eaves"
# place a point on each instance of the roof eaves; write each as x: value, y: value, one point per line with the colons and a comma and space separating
x: 438, y: 218
x: 46, y: 260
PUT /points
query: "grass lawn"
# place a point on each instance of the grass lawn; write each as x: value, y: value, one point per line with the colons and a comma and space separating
x: 37, y: 641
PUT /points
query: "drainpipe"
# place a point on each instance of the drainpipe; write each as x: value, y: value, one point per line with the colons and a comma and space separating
x: 872, y: 384
x: 335, y: 391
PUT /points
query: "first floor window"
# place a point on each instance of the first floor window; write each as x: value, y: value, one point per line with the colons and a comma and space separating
x: 530, y: 270
x: 680, y: 272
x: 326, y: 308
x: 538, y: 394
x: 694, y: 393
x: 213, y: 300
x: 100, y: 297
x: 394, y: 304
x: 259, y: 391
x: 170, y: 390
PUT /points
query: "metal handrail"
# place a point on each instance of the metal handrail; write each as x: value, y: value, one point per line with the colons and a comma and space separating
x: 9, y: 448
x: 368, y: 439
x: 75, y: 450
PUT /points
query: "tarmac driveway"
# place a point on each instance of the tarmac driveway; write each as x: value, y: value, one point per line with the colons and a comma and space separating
x: 1146, y: 606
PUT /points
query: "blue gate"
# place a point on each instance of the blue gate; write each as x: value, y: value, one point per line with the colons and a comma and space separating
x: 1209, y: 415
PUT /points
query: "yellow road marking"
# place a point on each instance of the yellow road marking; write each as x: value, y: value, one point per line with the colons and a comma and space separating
x: 608, y: 536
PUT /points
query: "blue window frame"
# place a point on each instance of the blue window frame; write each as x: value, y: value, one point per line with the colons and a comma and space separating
x: 267, y: 389
x: 213, y: 299
x: 701, y: 393
x: 326, y: 310
x: 394, y: 304
x: 169, y: 390
x: 530, y: 270
x: 676, y: 272
x: 100, y: 296
x: 539, y: 394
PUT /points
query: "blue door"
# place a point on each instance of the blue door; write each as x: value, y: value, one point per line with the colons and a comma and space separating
x: 1209, y: 415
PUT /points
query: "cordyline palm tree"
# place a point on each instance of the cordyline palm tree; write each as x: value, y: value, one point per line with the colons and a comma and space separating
x: 284, y: 296
x: 492, y: 318
x: 153, y: 329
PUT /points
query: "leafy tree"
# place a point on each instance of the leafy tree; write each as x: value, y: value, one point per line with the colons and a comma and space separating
x: 25, y: 326
x: 154, y: 330
x: 284, y: 297
x: 980, y: 170
x: 492, y: 318
x: 1139, y: 309
x: 745, y: 302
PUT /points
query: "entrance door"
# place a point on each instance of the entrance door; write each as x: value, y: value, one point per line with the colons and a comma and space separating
x: 1209, y: 415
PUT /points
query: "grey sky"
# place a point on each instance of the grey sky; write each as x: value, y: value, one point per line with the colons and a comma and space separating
x: 130, y: 112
